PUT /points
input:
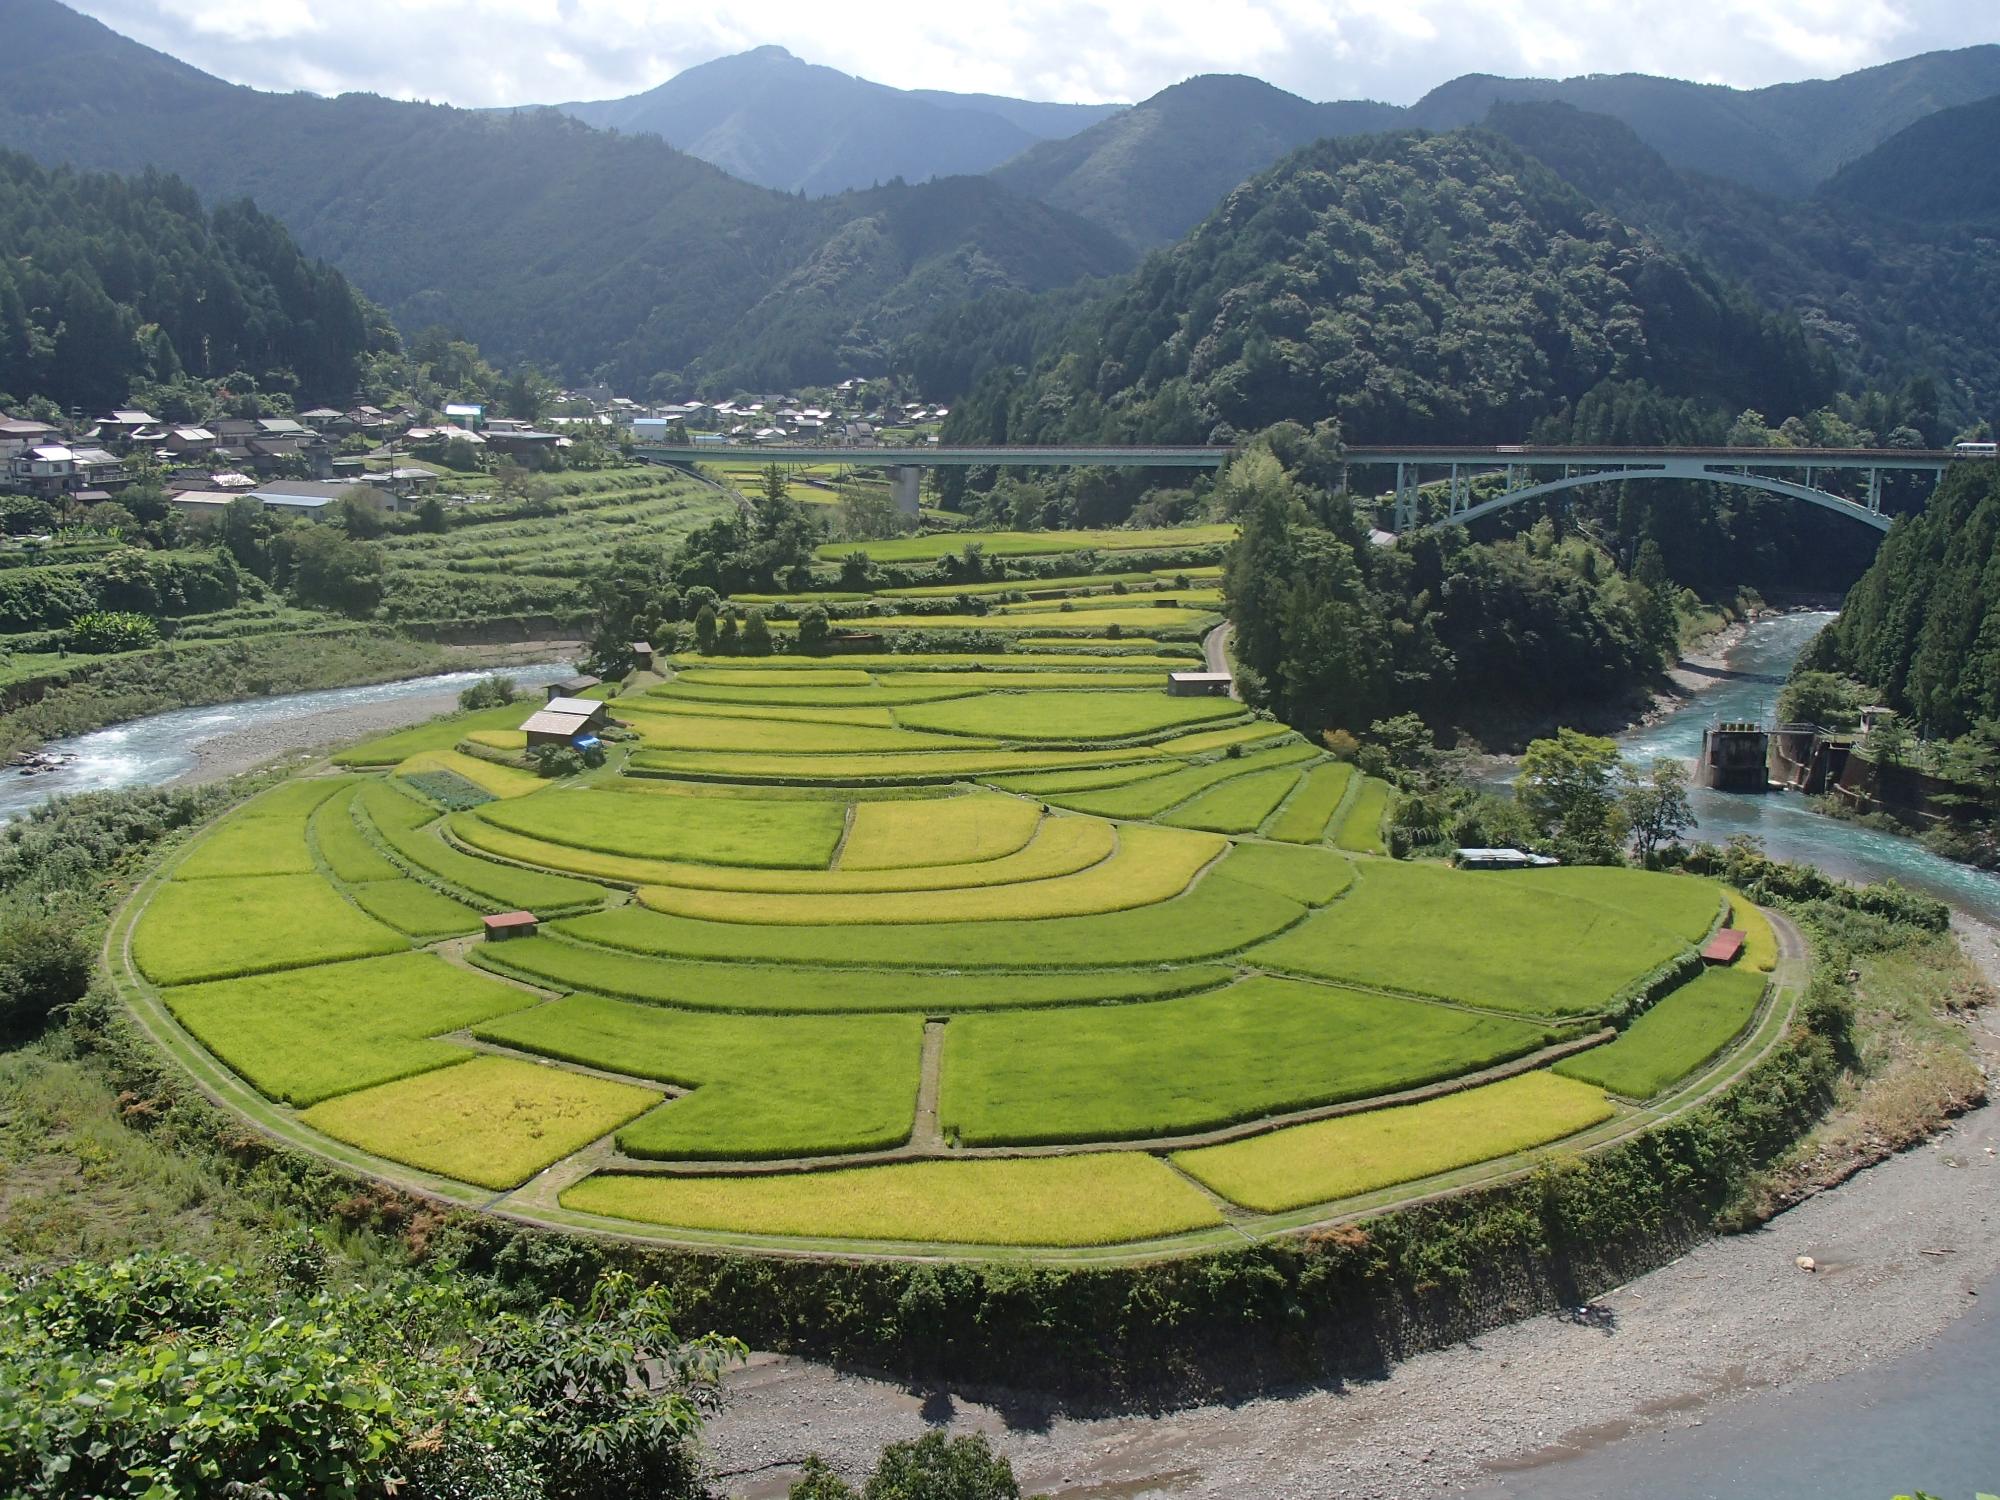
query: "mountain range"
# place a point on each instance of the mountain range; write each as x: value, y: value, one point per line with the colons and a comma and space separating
x: 1151, y: 172
x: 538, y: 236
x: 1420, y: 288
x: 1861, y: 206
x: 768, y: 118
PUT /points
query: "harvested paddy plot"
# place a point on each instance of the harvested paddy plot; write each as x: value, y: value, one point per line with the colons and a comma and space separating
x: 1056, y: 1200
x: 1328, y: 1160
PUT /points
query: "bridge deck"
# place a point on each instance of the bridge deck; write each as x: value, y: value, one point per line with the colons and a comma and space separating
x: 1529, y: 456
x: 1117, y: 457
x: 1164, y: 456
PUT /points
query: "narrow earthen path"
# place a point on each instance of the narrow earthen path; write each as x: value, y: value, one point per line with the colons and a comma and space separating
x: 926, y: 1136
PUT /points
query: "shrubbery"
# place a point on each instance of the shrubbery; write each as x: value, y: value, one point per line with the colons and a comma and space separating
x: 56, y: 865
x: 1743, y: 864
x: 160, y: 1376
x: 44, y: 963
x: 926, y: 1468
x: 559, y: 760
x: 488, y: 692
x: 105, y: 630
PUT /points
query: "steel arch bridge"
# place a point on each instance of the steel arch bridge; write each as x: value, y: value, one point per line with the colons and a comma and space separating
x: 1533, y: 472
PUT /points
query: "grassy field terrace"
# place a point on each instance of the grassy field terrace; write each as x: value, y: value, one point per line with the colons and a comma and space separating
x: 1001, y: 954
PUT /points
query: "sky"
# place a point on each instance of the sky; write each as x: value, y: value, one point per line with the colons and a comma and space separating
x: 486, y: 52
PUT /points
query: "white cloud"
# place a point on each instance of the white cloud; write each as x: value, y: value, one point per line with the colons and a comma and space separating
x: 517, y: 51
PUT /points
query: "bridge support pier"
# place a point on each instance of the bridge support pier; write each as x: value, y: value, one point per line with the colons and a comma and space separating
x: 1406, y: 498
x: 909, y: 479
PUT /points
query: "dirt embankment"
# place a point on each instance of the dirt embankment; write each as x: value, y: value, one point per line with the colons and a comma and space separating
x: 1899, y: 1252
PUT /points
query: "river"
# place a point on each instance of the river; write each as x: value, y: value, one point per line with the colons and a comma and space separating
x: 1748, y: 690
x: 1926, y: 1418
x: 163, y: 747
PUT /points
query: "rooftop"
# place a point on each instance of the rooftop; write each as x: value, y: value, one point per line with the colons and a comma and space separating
x: 550, y: 721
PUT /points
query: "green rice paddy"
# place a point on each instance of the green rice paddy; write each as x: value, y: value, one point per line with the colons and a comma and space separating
x: 912, y: 908
x: 1098, y: 1199
x: 309, y: 1034
x: 1674, y: 1037
x: 762, y: 1086
x: 1509, y: 945
x: 1266, y: 1046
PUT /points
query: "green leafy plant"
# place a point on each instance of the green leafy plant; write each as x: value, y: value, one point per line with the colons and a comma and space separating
x: 106, y: 630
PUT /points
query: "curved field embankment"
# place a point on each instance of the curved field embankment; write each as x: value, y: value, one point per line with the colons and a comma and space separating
x: 1014, y: 954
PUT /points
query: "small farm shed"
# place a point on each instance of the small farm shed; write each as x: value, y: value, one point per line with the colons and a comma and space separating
x: 1500, y: 859
x: 1723, y: 947
x: 555, y: 725
x: 572, y: 687
x: 642, y: 655
x: 508, y: 924
x: 1199, y: 684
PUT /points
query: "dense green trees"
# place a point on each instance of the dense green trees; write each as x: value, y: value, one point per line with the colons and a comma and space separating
x: 1923, y: 624
x: 329, y: 571
x: 1824, y: 698
x: 128, y: 580
x: 110, y: 284
x: 1335, y: 631
x: 1568, y: 787
x: 1894, y: 301
x: 1421, y: 289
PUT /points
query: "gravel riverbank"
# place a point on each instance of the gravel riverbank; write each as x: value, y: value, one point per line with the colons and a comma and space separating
x: 237, y: 750
x: 1901, y: 1250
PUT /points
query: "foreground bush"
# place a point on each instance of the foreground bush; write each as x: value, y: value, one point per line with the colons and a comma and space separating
x: 926, y: 1468
x: 44, y: 964
x: 163, y: 1377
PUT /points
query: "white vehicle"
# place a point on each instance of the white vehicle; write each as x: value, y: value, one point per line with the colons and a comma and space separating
x: 1976, y: 450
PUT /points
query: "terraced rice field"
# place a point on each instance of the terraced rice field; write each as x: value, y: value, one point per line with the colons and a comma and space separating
x: 885, y: 922
x: 1675, y: 1036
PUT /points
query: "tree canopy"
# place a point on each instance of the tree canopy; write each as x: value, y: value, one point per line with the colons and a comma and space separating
x: 110, y: 282
x: 1420, y: 289
x: 1923, y: 624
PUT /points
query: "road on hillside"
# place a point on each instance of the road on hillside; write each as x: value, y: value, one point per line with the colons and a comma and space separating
x: 1215, y: 647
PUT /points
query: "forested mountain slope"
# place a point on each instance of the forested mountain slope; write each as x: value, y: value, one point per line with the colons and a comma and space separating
x: 769, y: 118
x: 1783, y: 139
x: 535, y: 235
x: 1923, y: 624
x: 1943, y: 169
x: 107, y: 281
x: 1893, y: 301
x: 1419, y: 288
x: 1156, y: 170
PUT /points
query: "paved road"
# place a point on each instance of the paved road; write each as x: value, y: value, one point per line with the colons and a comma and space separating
x: 1215, y: 647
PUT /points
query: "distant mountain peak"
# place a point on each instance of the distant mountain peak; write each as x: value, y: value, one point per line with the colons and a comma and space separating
x: 779, y: 121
